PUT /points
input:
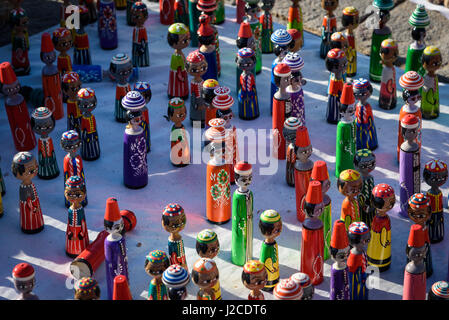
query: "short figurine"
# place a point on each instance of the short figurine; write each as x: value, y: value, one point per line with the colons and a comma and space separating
x: 208, y: 96
x: 174, y: 221
x: 208, y: 246
x: 291, y: 124
x: 24, y: 167
x: 145, y: 90
x: 251, y: 11
x: 435, y: 175
x: 208, y: 8
x: 120, y: 68
x: 43, y: 123
x: 303, y: 169
x: 107, y: 24
x: 81, y: 51
x: 419, y: 20
x: 87, y: 288
x: 179, y: 140
x: 156, y: 263
x: 366, y: 135
x: 388, y: 53
x: 140, y: 53
x: 205, y: 275
x: 266, y: 22
x: 121, y: 288
x: 71, y: 84
x: 62, y: 40
x: 181, y: 12
x: 247, y: 92
x: 287, y: 289
x: 339, y: 250
x: 196, y: 66
x: 206, y: 38
x: 329, y: 26
x: 167, y: 11
x: 254, y: 278
x: 365, y: 163
x: 439, y: 291
x: 295, y: 20
x: 245, y: 39
x: 20, y: 44
x: 350, y: 184
x: 296, y: 63
x: 415, y: 270
x: 24, y: 281
x: 359, y: 237
x: 430, y: 92
x: 176, y: 278
x: 90, y: 146
x: 194, y: 14
x: 336, y: 64
x: 270, y: 226
x: 350, y: 21
x: 178, y: 38
x: 303, y: 280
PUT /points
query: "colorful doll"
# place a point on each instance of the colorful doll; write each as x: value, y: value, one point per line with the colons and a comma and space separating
x: 71, y: 84
x: 329, y: 25
x: 388, y: 53
x: 87, y: 288
x: 439, y: 291
x: 120, y: 68
x: 220, y: 12
x: 282, y: 108
x: 174, y: 221
x: 107, y: 24
x: 339, y: 40
x: 266, y: 22
x: 359, y: 237
x: 92, y: 9
x: 208, y: 96
x: 145, y: 90
x: 135, y: 166
x: 90, y: 147
x: 208, y: 246
x: 287, y: 289
x: 16, y: 109
x: 167, y: 12
x: 415, y: 270
x: 181, y: 12
x: 419, y: 20
x: 364, y: 163
x: 245, y: 39
x: 156, y: 263
x: 240, y: 10
x: 77, y: 237
x: 270, y: 226
x: 295, y: 62
x: 296, y: 39
x: 251, y: 11
x: 51, y: 80
x: 140, y: 53
x: 43, y: 123
x: 350, y: 184
x: 176, y: 278
x: 289, y: 132
x: 366, y: 135
x: 242, y: 216
x: 282, y: 42
x: 205, y: 275
x: 303, y: 169
x: 208, y: 7
x: 196, y: 66
x: 430, y: 92
x: 62, y: 40
x: 247, y: 92
x: 178, y: 38
x: 206, y: 39
x: 346, y: 132
x: 379, y: 34
x: 24, y: 167
x: 303, y: 280
x: 350, y: 21
x: 295, y: 21
x: 24, y: 281
x: 121, y: 288
x: 379, y: 248
x: 81, y: 52
x: 179, y: 139
x: 254, y: 278
x: 435, y: 175
x: 336, y: 64
x: 312, y: 245
x: 339, y: 250
x: 20, y: 43
x: 129, y: 13
x: 194, y: 15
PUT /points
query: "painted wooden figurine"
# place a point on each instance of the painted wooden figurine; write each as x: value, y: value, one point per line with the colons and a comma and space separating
x: 388, y: 53
x: 194, y: 15
x: 208, y: 96
x: 16, y: 109
x: 156, y: 263
x: 338, y: 40
x: 245, y: 39
x: 206, y: 38
x: 92, y: 9
x: 282, y: 42
x: 20, y: 43
x: 181, y: 12
x: 62, y: 40
x: 176, y: 278
x: 329, y: 25
x: 295, y: 21
x: 196, y: 66
x: 336, y: 64
x: 240, y: 10
x: 270, y: 226
x: 254, y: 278
x: 247, y: 93
x: 266, y: 22
x: 419, y: 20
x: 435, y: 175
x: 208, y: 246
x: 287, y: 289
x: 71, y: 84
x: 43, y: 123
x: 205, y: 275
x: 289, y: 132
x: 167, y: 11
x: 81, y: 51
x: 24, y: 167
x: 24, y: 279
x: 90, y: 147
x: 350, y: 184
x: 145, y: 90
x: 87, y: 288
x: 251, y: 11
x: 366, y: 134
x: 339, y: 250
x: 121, y: 289
x: 140, y: 53
x: 135, y: 166
x: 359, y: 237
x: 178, y: 38
x: 296, y: 39
x: 51, y: 79
x: 120, y: 68
x: 174, y: 221
x: 379, y: 248
x: 179, y: 139
x: 208, y: 8
x: 415, y: 270
x: 430, y: 92
x: 365, y: 163
x: 303, y: 169
x: 107, y: 24
x: 296, y: 63
x: 439, y: 291
x: 380, y: 33
x: 220, y: 12
x: 350, y: 21
x: 120, y: 4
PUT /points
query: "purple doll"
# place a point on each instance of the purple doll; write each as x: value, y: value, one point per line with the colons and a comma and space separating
x: 295, y: 62
x: 339, y: 249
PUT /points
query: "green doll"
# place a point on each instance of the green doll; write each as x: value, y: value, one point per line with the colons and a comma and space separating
x: 418, y: 20
x: 430, y: 103
x: 220, y: 12
x: 251, y: 10
x: 156, y: 263
x: 194, y: 15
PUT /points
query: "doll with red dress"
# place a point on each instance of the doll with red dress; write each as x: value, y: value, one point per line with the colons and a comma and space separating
x: 81, y: 51
x: 415, y: 270
x: 20, y: 43
x: 71, y: 84
x: 62, y: 40
x: 140, y: 53
x: 178, y: 38
x: 303, y: 169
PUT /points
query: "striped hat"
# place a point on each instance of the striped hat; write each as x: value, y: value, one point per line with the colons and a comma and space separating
x: 175, y: 276
x: 411, y: 80
x: 350, y: 11
x: 157, y: 256
x: 432, y: 51
x: 292, y: 123
x: 441, y: 289
x: 23, y: 157
x: 205, y: 265
x: 120, y: 58
x: 133, y: 101
x: 217, y: 122
x: 360, y: 85
x: 176, y: 103
x: 207, y: 5
x: 41, y: 113
x: 206, y: 236
x: 222, y: 99
x: 270, y: 216
x: 287, y: 289
x: 383, y: 4
x: 349, y: 175
x: 358, y: 228
x: 61, y: 32
x: 70, y: 135
x: 383, y: 190
x: 243, y: 168
x: 70, y: 77
x: 435, y: 165
x: 86, y: 93
x: 301, y: 278
x: 23, y: 272
x: 74, y: 182
x: 178, y: 28
x: 142, y: 86
x: 245, y: 53
x: 210, y: 83
x: 419, y: 17
x: 173, y: 210
x: 195, y: 56
x: 282, y: 70
x: 335, y: 53
x: 294, y: 61
x: 281, y: 37
x: 217, y: 133
x: 86, y: 284
x: 418, y: 201
x: 253, y: 266
x: 410, y: 121
x: 389, y: 43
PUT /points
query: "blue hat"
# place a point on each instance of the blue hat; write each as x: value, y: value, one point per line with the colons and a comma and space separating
x: 281, y: 37
x: 133, y: 101
x: 294, y: 61
x: 175, y: 276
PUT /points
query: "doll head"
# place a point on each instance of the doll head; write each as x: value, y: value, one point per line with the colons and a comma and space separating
x: 419, y: 209
x: 303, y: 146
x: 245, y: 59
x: 206, y: 34
x: 336, y: 61
x: 419, y: 20
x: 207, y: 244
x: 347, y: 100
x: 71, y: 84
x: 208, y: 90
x: 24, y: 166
x: 87, y: 288
x: 173, y: 218
x: 134, y: 118
x: 296, y: 40
x: 289, y: 131
x: 70, y: 141
x: 314, y: 205
x: 435, y: 173
x: 410, y: 127
x: 254, y: 275
x: 364, y: 161
x: 176, y: 111
x: 282, y: 42
x: 383, y: 198
x: 411, y: 82
x: 431, y: 59
x: 156, y: 263
x: 282, y: 75
x: 139, y: 13
x: 75, y: 190
x: 87, y: 101
x: 145, y: 90
x: 362, y: 90
x: 296, y: 63
x: 389, y: 52
x: 383, y: 18
x: 121, y: 67
x: 245, y: 37
x: 205, y: 273
x: 270, y: 224
x: 196, y: 64
x: 178, y: 36
x: 350, y: 183
x: 350, y: 18
x: 48, y: 54
x: 252, y: 8
x: 329, y: 5
x: 11, y: 85
x: 42, y: 121
x: 113, y: 222
x: 176, y: 278
x: 18, y: 19
x: 339, y: 246
x: 267, y: 5
x: 62, y: 40
x: 24, y: 277
x: 359, y: 235
x: 243, y: 174
x: 339, y: 40
x: 223, y: 102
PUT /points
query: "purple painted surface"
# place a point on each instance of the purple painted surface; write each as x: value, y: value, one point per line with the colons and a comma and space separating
x: 116, y: 261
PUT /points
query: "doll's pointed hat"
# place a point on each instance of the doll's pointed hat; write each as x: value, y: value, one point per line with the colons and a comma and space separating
x: 245, y: 30
x: 347, y: 96
x: 314, y: 194
x: 419, y: 17
x: 46, y: 43
x: 339, y: 238
x: 319, y: 171
x: 112, y: 212
x: 416, y: 237
x: 302, y: 137
x: 7, y: 74
x: 121, y: 288
x: 205, y: 29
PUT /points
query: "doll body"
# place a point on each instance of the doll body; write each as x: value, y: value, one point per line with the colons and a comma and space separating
x: 266, y: 22
x: 107, y: 25
x: 247, y: 93
x: 20, y: 43
x: 381, y: 33
x: 359, y: 236
x: 140, y: 52
x: 81, y: 48
x: 366, y: 134
x: 430, y: 103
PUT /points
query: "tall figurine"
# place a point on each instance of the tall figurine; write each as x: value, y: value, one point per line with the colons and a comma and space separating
x: 430, y: 92
x: 270, y: 226
x: 282, y: 41
x: 439, y: 291
x: 289, y: 132
x: 24, y: 281
x: 379, y: 248
x: 350, y: 184
x: 312, y: 245
x: 220, y: 12
x: 251, y: 11
x: 303, y: 169
x: 346, y: 132
x: 176, y: 278
x: 240, y: 10
x: 388, y: 53
x: 205, y: 275
x: 181, y: 12
x: 167, y: 11
x: 129, y: 13
x: 296, y: 63
x: 62, y: 40
x: 288, y: 289
x: 43, y: 123
x: 145, y: 90
x: 303, y: 280
x: 87, y: 288
x: 178, y: 38
x: 295, y: 20
x: 179, y: 140
x: 174, y: 221
x: 208, y: 246
x: 71, y: 84
x: 329, y: 25
x: 20, y: 44
x: 266, y: 22
x: 51, y: 79
x: 92, y: 9
x: 208, y: 8
x: 24, y: 167
x: 419, y: 20
x: 366, y: 134
x: 254, y: 278
x: 107, y: 24
x: 415, y: 270
x: 350, y: 21
x: 120, y: 68
x: 336, y: 64
x: 365, y: 163
x: 16, y: 109
x: 435, y: 175
x: 380, y: 33
x: 359, y: 237
x: 196, y: 66
x: 156, y: 263
x: 81, y: 51
x: 245, y: 39
x: 140, y: 53
x: 208, y: 96
x: 194, y: 15
x: 339, y: 250
x: 90, y: 147
x: 206, y: 38
x: 247, y: 93
x: 135, y: 166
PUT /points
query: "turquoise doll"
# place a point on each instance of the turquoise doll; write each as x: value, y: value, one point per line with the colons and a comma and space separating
x: 174, y: 221
x: 430, y: 103
x: 366, y: 137
x: 418, y: 20
x: 156, y: 263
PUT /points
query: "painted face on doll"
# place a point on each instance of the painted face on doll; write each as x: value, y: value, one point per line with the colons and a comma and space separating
x: 212, y: 249
x: 413, y: 99
x: 317, y: 211
x: 246, y: 64
x: 363, y: 244
x: 123, y: 72
x: 75, y: 195
x: 277, y: 229
x: 267, y: 5
x: 341, y: 67
x: 183, y: 41
x: 351, y: 189
x: 155, y: 269
x: 24, y: 286
x: 419, y: 215
x: 329, y: 5
x: 390, y: 57
x: 433, y: 63
x: 257, y: 281
x: 383, y: 18
x: 87, y: 105
x: 303, y: 154
x: 136, y: 121
x: 435, y: 179
x: 289, y: 135
x: 362, y: 95
x: 11, y: 89
x: 175, y: 224
x: 114, y: 227
x: 64, y: 43
x: 227, y: 117
x: 179, y: 115
x: 244, y: 181
x: 325, y: 185
x: 410, y: 134
x: 389, y: 203
x: 139, y: 17
x: 417, y: 254
x: 349, y: 112
x: 207, y: 279
x: 31, y: 169
x: 342, y: 255
x: 43, y: 126
x: 71, y: 89
x: 197, y: 69
x: 284, y: 82
x: 48, y: 57
x: 71, y: 146
x: 366, y: 165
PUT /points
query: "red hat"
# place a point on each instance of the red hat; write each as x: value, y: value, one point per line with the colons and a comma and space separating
x: 282, y: 70
x: 195, y: 56
x: 129, y: 219
x: 46, y: 43
x: 319, y: 171
x: 121, y: 289
x: 339, y: 238
x: 410, y: 121
x: 294, y: 33
x: 335, y: 53
x: 207, y: 5
x: 70, y: 76
x: 243, y: 168
x: 245, y: 30
x: 435, y: 165
x: 7, y: 74
x: 416, y: 237
x: 205, y: 29
x: 302, y: 137
x: 314, y: 194
x: 222, y: 99
x: 383, y: 190
x: 347, y: 96
x: 23, y: 271
x: 112, y: 212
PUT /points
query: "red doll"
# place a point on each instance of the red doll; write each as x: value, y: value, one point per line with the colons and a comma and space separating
x: 303, y: 169
x: 62, y: 40
x: 71, y: 84
x: 20, y: 44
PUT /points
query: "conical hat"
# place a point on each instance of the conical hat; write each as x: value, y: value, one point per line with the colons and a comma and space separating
x: 121, y: 288
x: 339, y: 238
x: 46, y: 43
x: 112, y: 212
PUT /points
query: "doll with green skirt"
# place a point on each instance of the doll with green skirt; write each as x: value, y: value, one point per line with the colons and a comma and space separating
x: 295, y: 19
x: 430, y: 95
x: 220, y: 12
x: 419, y: 20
